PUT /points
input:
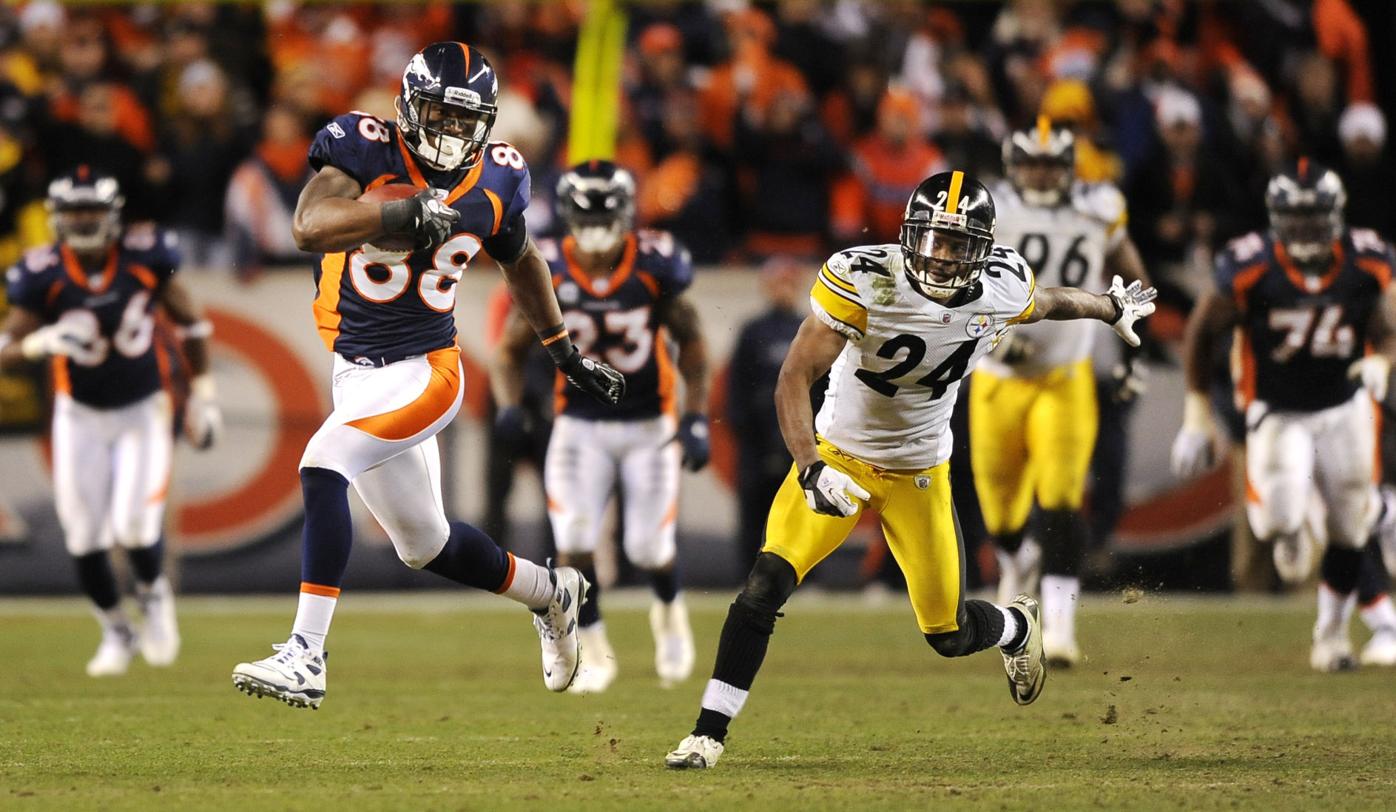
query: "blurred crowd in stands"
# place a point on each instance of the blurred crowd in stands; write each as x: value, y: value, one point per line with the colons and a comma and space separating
x: 756, y: 129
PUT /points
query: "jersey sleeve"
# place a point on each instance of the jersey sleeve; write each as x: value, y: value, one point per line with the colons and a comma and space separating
x: 1238, y: 266
x: 672, y: 263
x: 27, y: 282
x: 1015, y: 278
x: 836, y: 300
x: 154, y: 248
x: 342, y: 144
x: 1109, y: 205
x: 508, y: 180
x: 1373, y: 255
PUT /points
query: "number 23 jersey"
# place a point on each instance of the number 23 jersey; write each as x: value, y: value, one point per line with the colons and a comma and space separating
x: 892, y: 388
x: 1299, y: 334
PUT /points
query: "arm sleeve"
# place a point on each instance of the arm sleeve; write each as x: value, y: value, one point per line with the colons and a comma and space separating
x: 836, y: 301
x: 678, y: 275
x: 341, y: 144
x: 506, y: 244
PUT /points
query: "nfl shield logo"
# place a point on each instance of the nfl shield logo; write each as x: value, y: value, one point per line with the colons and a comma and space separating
x: 945, y: 318
x: 922, y: 482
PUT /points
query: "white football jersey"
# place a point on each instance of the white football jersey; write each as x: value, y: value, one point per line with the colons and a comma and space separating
x: 893, y: 387
x: 1065, y: 246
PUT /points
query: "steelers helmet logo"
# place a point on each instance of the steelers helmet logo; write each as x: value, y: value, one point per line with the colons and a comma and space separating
x: 979, y: 325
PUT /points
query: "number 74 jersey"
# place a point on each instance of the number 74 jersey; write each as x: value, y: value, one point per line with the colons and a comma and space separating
x: 892, y: 388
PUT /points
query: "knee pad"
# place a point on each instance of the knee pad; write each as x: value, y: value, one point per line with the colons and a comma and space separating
x: 1064, y: 534
x: 768, y: 587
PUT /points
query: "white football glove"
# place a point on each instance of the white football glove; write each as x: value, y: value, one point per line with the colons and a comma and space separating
x: 203, y: 420
x: 831, y: 491
x: 1192, y: 448
x: 74, y: 338
x: 1375, y: 372
x: 1133, y: 303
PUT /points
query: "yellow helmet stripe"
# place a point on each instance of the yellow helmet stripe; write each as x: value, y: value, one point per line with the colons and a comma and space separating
x: 1044, y: 130
x: 952, y: 201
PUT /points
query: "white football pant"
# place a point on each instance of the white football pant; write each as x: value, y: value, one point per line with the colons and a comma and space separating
x: 586, y: 459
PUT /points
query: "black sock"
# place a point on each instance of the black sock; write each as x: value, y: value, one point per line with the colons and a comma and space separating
x: 1064, y: 537
x: 590, y: 613
x: 146, y: 562
x: 329, y: 530
x: 1372, y: 578
x: 472, y: 558
x: 96, y: 580
x: 666, y: 583
x: 1340, y: 569
x: 1009, y: 542
x: 981, y: 626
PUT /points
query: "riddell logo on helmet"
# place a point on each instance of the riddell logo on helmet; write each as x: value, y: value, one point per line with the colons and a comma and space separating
x: 462, y: 95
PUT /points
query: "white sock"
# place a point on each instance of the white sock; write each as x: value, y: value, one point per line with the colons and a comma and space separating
x: 529, y: 584
x: 313, y: 616
x: 1381, y: 615
x: 160, y: 586
x: 1060, y: 594
x: 723, y: 698
x: 1010, y: 627
x: 113, y: 620
x: 1334, y: 611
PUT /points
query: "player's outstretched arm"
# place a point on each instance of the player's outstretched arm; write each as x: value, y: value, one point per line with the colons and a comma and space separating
x: 1120, y: 307
x: 678, y: 314
x: 1192, y: 448
x: 813, y: 351
x: 531, y: 285
x: 19, y: 325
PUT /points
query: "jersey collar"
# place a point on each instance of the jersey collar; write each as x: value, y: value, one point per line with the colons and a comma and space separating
x: 79, y: 276
x: 414, y: 171
x: 1309, y: 283
x: 611, y: 283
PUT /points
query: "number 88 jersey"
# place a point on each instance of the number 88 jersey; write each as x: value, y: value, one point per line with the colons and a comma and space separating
x: 617, y: 320
x: 893, y: 387
x: 1065, y: 246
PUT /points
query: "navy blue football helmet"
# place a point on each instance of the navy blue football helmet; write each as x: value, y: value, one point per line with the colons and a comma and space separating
x: 449, y: 102
x: 596, y: 199
x: 1305, y: 204
x: 84, y: 209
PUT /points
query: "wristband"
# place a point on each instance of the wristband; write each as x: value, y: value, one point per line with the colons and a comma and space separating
x: 203, y: 386
x: 558, y: 344
x: 199, y: 329
x: 399, y: 216
x: 1119, y: 308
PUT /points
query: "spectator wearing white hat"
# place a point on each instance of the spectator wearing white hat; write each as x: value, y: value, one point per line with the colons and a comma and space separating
x: 1367, y: 169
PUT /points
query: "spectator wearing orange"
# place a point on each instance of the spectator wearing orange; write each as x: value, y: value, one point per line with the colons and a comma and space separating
x: 887, y: 165
x: 849, y: 111
x: 685, y: 193
x: 84, y: 57
x: 1069, y: 103
x: 262, y: 195
x: 751, y: 82
x: 660, y: 73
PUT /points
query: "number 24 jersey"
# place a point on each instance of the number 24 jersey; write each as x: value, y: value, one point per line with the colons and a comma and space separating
x: 892, y: 388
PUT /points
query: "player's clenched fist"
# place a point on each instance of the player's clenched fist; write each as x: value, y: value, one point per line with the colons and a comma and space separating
x: 831, y: 491
x: 423, y: 216
x: 593, y: 377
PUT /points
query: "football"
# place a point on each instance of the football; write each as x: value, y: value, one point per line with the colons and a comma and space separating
x: 384, y: 194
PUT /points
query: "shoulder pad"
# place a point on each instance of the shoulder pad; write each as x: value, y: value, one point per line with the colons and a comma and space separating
x: 878, y: 260
x: 1101, y: 201
x: 38, y: 260
x: 155, y: 247
x: 666, y: 259
x: 1246, y: 249
x: 1366, y: 242
x: 345, y: 143
x: 1010, y: 281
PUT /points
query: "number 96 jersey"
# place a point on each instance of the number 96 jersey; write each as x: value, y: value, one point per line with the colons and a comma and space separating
x: 1064, y: 245
x: 892, y: 388
x: 617, y: 320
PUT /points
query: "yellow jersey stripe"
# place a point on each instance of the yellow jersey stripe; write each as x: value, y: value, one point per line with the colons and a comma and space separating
x: 1032, y: 304
x: 1120, y: 222
x: 841, y: 308
x: 952, y: 201
x: 1044, y: 130
x: 854, y: 298
x: 829, y: 275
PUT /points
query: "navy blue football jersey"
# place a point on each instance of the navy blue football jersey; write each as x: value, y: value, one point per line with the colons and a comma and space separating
x: 122, y: 364
x: 616, y: 320
x: 380, y: 305
x: 1299, y: 333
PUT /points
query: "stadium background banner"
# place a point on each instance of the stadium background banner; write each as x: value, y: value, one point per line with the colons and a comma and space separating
x: 235, y: 511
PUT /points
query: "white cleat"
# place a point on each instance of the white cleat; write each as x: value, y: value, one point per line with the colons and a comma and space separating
x: 294, y: 675
x: 1386, y: 528
x: 1061, y: 651
x: 160, y: 634
x: 695, y: 753
x: 1381, y: 649
x: 1332, y: 653
x: 1026, y: 667
x: 557, y: 628
x: 1294, y: 557
x: 598, y: 668
x: 673, y: 642
x: 1019, y: 572
x: 114, y: 653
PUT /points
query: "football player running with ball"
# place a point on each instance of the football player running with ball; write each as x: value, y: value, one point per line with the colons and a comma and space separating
x: 622, y: 294
x: 1032, y: 405
x: 896, y: 327
x: 386, y: 290
x: 87, y: 304
x: 1311, y: 302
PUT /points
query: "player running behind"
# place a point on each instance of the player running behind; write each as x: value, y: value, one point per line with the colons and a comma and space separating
x: 387, y: 317
x: 87, y: 304
x: 1033, y: 413
x: 622, y: 294
x: 1310, y: 301
x: 896, y: 327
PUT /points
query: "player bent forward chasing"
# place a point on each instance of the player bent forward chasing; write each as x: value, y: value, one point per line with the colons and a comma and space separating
x: 622, y: 297
x: 388, y: 318
x: 88, y: 303
x: 1309, y: 297
x: 897, y: 327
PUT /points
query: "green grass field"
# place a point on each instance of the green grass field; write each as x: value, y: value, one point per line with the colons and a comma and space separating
x: 437, y: 703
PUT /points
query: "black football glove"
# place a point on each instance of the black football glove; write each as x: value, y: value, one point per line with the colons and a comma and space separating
x: 423, y: 216
x: 693, y: 437
x: 593, y: 377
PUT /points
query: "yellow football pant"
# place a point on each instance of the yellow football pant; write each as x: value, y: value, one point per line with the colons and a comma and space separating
x: 1031, y: 437
x: 918, y: 521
